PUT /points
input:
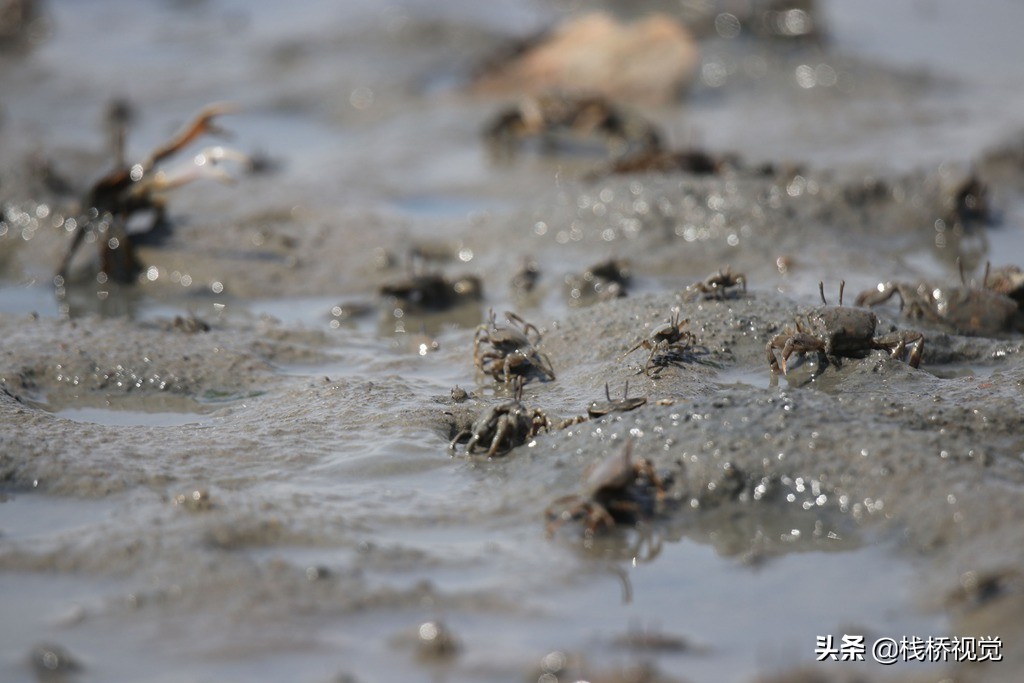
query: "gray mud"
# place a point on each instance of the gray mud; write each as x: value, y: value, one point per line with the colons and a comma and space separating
x: 274, y: 498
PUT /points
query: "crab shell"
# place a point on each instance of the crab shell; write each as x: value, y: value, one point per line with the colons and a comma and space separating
x: 974, y: 311
x: 843, y: 329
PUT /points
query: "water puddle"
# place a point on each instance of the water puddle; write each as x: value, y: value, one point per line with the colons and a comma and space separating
x: 113, y: 417
x: 801, y: 372
x: 309, y: 312
x: 742, y: 377
x: 131, y: 411
x: 962, y: 371
x: 685, y: 596
x: 749, y: 620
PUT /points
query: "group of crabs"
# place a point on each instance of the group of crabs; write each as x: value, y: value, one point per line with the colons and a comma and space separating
x: 620, y: 489
x: 617, y: 488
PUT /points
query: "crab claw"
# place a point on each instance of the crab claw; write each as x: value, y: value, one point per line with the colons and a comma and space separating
x: 210, y: 158
x: 205, y: 165
x: 202, y: 124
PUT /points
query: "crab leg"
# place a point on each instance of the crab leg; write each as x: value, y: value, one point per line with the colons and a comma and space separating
x: 76, y: 241
x: 500, y: 433
x: 897, y: 342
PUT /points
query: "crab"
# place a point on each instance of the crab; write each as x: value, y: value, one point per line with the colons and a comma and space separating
x: 432, y: 291
x: 718, y: 285
x: 502, y: 427
x: 967, y: 310
x: 1008, y: 280
x: 509, y: 351
x: 601, y: 281
x: 691, y: 161
x: 672, y: 336
x: 601, y: 408
x: 525, y: 279
x: 616, y: 489
x: 967, y: 201
x: 835, y: 331
x: 553, y: 116
x: 617, y: 405
x: 132, y: 189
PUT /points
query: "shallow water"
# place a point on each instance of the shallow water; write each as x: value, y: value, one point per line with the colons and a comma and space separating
x: 315, y: 414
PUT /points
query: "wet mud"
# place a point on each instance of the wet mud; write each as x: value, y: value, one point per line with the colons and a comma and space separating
x: 240, y: 464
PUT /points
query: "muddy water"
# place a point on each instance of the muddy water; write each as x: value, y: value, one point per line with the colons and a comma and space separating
x: 273, y: 499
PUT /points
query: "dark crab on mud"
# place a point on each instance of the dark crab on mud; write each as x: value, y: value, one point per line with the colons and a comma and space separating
x: 720, y: 285
x: 553, y: 117
x: 610, y: 405
x: 615, y: 405
x: 602, y: 281
x: 1008, y: 280
x: 615, y: 490
x: 690, y: 161
x: 502, y: 427
x: 138, y: 188
x: 509, y: 351
x: 841, y: 331
x: 672, y: 337
x: 432, y: 291
x: 965, y: 309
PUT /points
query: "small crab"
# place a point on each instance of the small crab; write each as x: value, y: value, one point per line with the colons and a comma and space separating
x: 501, y: 428
x: 610, y: 405
x: 601, y: 281
x: 965, y: 309
x: 432, y: 291
x: 967, y: 201
x: 552, y: 116
x: 616, y: 489
x: 616, y: 405
x: 672, y: 336
x: 525, y: 279
x: 836, y: 331
x: 718, y: 285
x: 691, y: 161
x: 1008, y: 280
x: 132, y: 189
x: 509, y: 351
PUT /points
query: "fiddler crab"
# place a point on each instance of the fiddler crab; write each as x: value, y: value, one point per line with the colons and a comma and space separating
x: 501, y: 428
x: 509, y: 351
x: 616, y: 489
x: 601, y: 281
x: 691, y: 161
x: 835, y: 331
x: 552, y: 116
x: 1008, y: 280
x: 615, y: 405
x: 720, y: 285
x: 432, y: 291
x: 137, y: 188
x: 965, y: 309
x: 672, y: 336
x: 611, y: 405
x: 525, y: 279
